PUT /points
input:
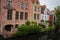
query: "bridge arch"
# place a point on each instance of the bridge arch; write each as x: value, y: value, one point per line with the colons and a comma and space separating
x: 8, y: 27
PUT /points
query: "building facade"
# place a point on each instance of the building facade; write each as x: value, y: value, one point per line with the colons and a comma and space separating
x: 45, y: 15
x: 36, y: 11
x: 16, y: 12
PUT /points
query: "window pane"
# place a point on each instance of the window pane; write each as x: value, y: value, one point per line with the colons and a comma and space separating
x: 21, y: 15
x: 26, y: 15
x: 34, y: 16
x: 17, y: 15
x: 9, y: 15
x: 9, y: 2
x: 37, y: 16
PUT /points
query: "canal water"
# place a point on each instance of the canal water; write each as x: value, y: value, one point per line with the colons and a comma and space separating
x: 31, y: 37
x: 42, y: 36
x: 51, y: 35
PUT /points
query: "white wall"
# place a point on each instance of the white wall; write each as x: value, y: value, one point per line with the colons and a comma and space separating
x: 44, y: 17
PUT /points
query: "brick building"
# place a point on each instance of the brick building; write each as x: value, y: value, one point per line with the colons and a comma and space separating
x: 16, y: 12
x: 36, y: 11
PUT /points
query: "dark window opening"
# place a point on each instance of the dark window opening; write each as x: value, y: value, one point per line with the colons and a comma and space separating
x: 17, y: 15
x: 37, y: 2
x: 26, y: 15
x: 9, y: 15
x: 16, y: 26
x: 21, y: 15
x: 8, y: 27
x: 37, y: 16
x: 34, y: 16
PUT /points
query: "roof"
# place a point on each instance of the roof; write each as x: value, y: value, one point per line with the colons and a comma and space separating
x: 43, y: 8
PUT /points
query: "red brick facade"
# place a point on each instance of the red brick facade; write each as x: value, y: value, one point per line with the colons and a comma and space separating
x: 15, y: 6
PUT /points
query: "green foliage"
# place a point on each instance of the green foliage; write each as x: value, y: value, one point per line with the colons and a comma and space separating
x: 42, y: 20
x: 25, y: 29
x: 34, y: 23
x: 51, y: 27
x: 42, y: 25
x: 58, y: 8
x: 29, y: 29
x: 28, y: 23
x: 47, y: 21
x: 57, y: 16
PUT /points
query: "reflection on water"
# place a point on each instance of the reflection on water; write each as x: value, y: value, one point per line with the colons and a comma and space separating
x: 41, y: 36
x: 52, y: 35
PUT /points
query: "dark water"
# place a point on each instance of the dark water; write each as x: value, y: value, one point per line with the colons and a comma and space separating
x: 51, y: 35
x: 31, y: 37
